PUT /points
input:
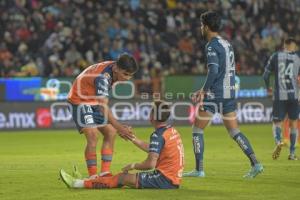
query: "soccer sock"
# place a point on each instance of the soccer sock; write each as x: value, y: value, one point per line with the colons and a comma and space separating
x: 106, y: 158
x: 104, y: 182
x: 293, y: 139
x: 198, y: 143
x: 244, y: 144
x: 91, y: 162
x: 277, y: 133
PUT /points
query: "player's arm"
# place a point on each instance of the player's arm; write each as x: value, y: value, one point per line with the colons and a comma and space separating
x: 102, y: 87
x: 268, y: 70
x: 213, y: 68
x: 147, y: 164
x: 212, y: 73
x: 140, y: 144
x: 156, y: 145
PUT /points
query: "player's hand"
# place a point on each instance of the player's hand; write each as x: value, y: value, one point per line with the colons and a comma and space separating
x: 270, y: 92
x: 125, y: 132
x: 128, y: 167
x: 198, y: 97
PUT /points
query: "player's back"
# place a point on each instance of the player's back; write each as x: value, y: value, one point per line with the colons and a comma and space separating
x: 83, y: 89
x: 171, y: 158
x: 220, y: 52
x: 286, y: 67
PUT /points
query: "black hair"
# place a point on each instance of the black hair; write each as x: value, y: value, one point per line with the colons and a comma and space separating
x: 161, y: 111
x: 290, y: 40
x: 127, y: 63
x: 212, y: 20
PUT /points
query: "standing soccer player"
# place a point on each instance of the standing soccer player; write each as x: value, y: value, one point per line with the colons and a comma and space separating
x: 165, y: 154
x: 218, y: 95
x: 89, y: 99
x: 285, y: 65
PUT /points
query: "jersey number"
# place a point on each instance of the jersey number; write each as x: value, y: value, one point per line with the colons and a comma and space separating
x: 286, y: 72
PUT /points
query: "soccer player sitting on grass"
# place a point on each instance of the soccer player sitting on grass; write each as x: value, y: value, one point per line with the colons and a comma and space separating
x: 165, y: 154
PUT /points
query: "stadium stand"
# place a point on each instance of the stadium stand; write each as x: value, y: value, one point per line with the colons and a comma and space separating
x: 60, y: 38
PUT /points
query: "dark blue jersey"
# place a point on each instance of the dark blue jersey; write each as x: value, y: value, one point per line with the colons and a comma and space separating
x: 285, y: 66
x: 220, y: 81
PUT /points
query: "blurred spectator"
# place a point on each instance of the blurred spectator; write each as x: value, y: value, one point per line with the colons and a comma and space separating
x: 61, y: 38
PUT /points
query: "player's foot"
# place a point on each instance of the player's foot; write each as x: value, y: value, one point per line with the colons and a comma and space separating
x: 105, y: 174
x: 76, y: 174
x: 194, y: 173
x: 67, y: 178
x: 277, y: 150
x: 254, y: 171
x: 292, y: 157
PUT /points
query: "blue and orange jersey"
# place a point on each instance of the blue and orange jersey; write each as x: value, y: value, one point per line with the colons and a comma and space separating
x: 94, y: 82
x: 166, y: 141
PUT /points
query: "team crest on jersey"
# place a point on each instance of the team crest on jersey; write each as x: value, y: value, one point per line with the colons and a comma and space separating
x: 106, y: 75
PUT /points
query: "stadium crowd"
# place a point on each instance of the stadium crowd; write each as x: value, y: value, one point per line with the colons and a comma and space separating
x: 61, y: 38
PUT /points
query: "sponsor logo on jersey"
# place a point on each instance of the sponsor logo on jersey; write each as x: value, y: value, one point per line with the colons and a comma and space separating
x: 88, y: 119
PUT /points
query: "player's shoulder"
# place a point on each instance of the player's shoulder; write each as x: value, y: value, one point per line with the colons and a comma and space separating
x: 160, y: 131
x: 105, y: 69
x: 217, y: 44
x: 212, y: 44
x: 275, y: 54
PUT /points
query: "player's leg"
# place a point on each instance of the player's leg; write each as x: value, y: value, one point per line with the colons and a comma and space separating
x: 201, y: 121
x: 278, y: 115
x: 277, y: 133
x: 152, y: 180
x: 99, y: 182
x: 230, y: 122
x: 91, y: 135
x: 109, y: 135
x: 293, y: 113
x: 85, y: 123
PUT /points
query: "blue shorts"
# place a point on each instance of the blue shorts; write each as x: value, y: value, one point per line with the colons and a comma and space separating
x: 281, y: 108
x: 154, y: 180
x: 222, y: 106
x: 87, y: 116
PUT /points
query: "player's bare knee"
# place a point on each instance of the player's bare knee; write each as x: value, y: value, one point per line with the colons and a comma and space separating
x: 276, y: 125
x: 293, y: 123
x: 197, y: 129
x: 91, y: 137
x: 110, y: 134
x: 233, y: 132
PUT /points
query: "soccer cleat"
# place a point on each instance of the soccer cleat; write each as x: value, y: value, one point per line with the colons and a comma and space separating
x: 254, y: 171
x: 76, y: 174
x: 194, y: 173
x: 277, y: 150
x: 292, y: 157
x: 67, y: 178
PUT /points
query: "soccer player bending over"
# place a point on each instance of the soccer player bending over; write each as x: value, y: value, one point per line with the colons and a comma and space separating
x: 165, y: 155
x: 218, y: 95
x: 89, y: 100
x: 285, y: 65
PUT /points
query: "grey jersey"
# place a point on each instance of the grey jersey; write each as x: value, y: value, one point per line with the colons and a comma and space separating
x: 285, y: 66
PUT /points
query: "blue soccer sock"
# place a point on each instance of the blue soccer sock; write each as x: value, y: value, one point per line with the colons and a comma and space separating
x: 198, y: 143
x: 245, y: 145
x: 277, y: 133
x: 293, y: 140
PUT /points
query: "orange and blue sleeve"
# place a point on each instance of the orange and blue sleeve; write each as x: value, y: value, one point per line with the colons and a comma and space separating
x: 157, y: 143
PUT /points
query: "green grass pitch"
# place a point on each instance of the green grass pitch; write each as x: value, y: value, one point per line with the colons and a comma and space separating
x: 30, y: 162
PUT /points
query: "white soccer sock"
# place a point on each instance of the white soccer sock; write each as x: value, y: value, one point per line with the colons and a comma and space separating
x: 78, y: 183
